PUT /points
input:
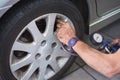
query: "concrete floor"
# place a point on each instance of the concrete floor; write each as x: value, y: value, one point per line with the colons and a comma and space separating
x: 81, y: 71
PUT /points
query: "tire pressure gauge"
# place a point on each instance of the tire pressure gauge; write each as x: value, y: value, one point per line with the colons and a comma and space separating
x: 96, y: 38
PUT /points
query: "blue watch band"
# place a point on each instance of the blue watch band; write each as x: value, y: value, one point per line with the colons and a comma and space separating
x: 71, y: 43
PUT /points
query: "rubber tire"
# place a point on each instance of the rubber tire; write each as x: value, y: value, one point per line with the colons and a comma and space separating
x: 24, y: 12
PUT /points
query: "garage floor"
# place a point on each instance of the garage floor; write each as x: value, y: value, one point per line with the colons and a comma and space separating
x: 81, y: 71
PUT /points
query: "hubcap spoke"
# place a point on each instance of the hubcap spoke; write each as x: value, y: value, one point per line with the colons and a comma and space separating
x: 30, y: 71
x: 21, y: 63
x: 42, y: 73
x: 58, y: 52
x: 50, y: 25
x: 55, y: 66
x: 27, y: 47
x: 37, y: 35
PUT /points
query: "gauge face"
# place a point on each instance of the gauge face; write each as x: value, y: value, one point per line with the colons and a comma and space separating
x: 97, y: 37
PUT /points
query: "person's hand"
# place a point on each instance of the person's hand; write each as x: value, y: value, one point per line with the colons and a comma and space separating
x: 64, y: 32
x: 115, y: 42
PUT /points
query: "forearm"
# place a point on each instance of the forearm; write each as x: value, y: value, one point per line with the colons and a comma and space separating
x: 93, y: 58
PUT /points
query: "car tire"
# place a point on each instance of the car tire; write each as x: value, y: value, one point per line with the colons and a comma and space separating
x: 14, y: 30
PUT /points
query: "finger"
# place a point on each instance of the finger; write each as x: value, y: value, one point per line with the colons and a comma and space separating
x: 114, y: 42
x: 60, y: 22
x: 58, y: 32
x: 59, y: 26
x: 58, y: 36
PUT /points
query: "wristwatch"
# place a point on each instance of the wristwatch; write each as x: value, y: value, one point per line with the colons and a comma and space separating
x: 71, y: 43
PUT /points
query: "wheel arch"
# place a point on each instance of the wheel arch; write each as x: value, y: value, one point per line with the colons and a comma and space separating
x: 82, y: 5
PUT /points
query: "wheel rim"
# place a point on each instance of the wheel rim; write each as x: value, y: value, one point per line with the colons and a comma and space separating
x: 37, y: 54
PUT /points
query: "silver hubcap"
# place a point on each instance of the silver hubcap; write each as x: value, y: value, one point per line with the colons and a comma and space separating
x: 37, y: 54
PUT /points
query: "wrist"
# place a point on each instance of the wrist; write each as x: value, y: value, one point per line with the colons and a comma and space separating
x: 72, y: 42
x: 78, y: 45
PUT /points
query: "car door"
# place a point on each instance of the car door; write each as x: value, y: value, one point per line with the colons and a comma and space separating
x: 107, y: 6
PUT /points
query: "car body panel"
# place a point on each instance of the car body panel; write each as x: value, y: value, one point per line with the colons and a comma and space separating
x: 5, y: 5
x: 107, y: 6
x: 96, y: 21
x: 103, y: 21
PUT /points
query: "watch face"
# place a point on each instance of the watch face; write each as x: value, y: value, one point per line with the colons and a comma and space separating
x: 97, y: 37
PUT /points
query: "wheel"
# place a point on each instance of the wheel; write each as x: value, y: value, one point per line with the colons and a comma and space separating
x: 29, y: 48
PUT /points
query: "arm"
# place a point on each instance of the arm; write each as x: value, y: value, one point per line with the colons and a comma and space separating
x: 106, y: 64
x: 103, y: 63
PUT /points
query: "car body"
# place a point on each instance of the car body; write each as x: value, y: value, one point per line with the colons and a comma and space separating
x: 29, y: 47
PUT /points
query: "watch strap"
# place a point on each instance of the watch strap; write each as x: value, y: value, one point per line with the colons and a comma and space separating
x: 71, y: 43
